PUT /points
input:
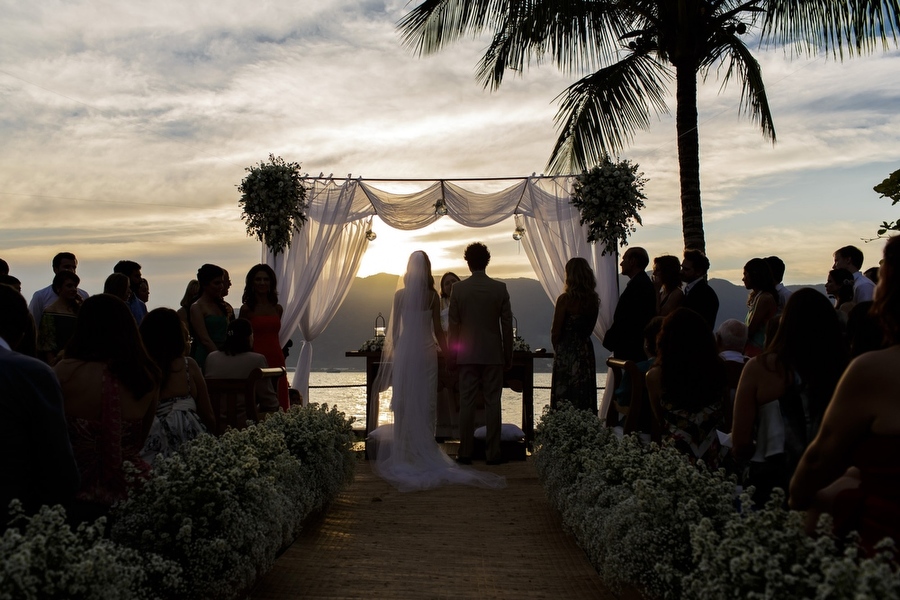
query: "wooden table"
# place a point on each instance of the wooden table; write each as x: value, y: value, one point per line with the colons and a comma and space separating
x: 519, y: 378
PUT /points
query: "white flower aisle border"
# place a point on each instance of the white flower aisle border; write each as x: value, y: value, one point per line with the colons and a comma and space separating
x: 207, y: 523
x: 273, y: 202
x: 648, y: 519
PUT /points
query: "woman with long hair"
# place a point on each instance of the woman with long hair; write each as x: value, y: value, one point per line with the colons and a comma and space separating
x: 191, y: 295
x: 574, y: 377
x: 210, y: 314
x: 260, y: 307
x: 850, y: 469
x: 184, y: 411
x: 783, y: 392
x: 762, y: 303
x: 110, y: 386
x: 447, y: 281
x: 687, y: 385
x: 666, y: 278
x: 58, y: 320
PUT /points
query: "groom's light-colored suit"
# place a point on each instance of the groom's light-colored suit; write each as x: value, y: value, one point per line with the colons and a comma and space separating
x: 481, y: 338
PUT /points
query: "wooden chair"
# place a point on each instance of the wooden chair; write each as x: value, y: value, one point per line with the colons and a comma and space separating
x: 632, y: 412
x: 226, y: 395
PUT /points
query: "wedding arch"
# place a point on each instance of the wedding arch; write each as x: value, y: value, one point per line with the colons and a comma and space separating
x: 315, y: 273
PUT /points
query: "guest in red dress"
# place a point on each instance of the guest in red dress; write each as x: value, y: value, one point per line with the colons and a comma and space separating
x: 260, y: 307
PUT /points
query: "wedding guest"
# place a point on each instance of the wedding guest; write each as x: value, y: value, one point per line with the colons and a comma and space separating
x: 235, y: 361
x: 4, y: 267
x: 851, y: 258
x: 864, y: 331
x: 143, y: 291
x: 762, y: 303
x: 666, y: 276
x: 132, y: 270
x: 184, y: 410
x: 850, y: 469
x: 686, y: 385
x: 776, y: 265
x: 783, y: 392
x: 209, y: 314
x: 27, y: 345
x: 260, y: 307
x: 226, y: 282
x: 636, y: 306
x: 118, y: 285
x: 447, y: 280
x: 191, y: 295
x: 698, y: 295
x: 872, y: 273
x: 110, y: 387
x: 59, y: 318
x: 574, y: 377
x: 36, y: 460
x: 64, y: 261
x: 12, y: 282
x: 839, y: 285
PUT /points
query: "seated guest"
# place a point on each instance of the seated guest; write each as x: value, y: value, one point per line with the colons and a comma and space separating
x: 839, y: 285
x: 184, y: 411
x: 872, y: 273
x: 110, y: 387
x: 191, y: 294
x: 850, y: 469
x: 64, y: 261
x: 118, y: 285
x: 666, y: 276
x: 58, y: 319
x: 36, y: 461
x: 686, y: 385
x: 236, y: 360
x: 762, y: 303
x: 783, y: 392
x: 731, y: 338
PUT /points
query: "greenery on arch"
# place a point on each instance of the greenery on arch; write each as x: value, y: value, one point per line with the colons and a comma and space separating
x: 890, y: 188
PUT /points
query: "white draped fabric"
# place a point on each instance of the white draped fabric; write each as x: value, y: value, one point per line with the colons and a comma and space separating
x: 316, y: 272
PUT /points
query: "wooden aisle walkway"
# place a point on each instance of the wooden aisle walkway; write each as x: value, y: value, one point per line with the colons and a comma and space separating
x: 453, y: 542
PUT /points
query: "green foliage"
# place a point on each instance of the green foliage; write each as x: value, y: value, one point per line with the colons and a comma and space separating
x: 890, y: 188
x: 609, y: 197
x: 274, y: 202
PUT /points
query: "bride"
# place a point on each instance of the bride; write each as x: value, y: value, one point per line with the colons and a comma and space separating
x: 408, y: 456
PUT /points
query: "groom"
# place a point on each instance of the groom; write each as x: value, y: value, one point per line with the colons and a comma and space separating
x: 480, y: 340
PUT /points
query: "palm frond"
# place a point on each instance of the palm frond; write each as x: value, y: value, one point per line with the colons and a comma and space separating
x: 600, y: 113
x: 741, y: 64
x: 437, y: 23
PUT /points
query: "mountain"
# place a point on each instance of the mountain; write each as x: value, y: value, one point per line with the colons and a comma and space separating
x: 354, y: 322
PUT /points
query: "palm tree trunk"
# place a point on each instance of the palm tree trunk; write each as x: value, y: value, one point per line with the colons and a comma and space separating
x: 689, y: 157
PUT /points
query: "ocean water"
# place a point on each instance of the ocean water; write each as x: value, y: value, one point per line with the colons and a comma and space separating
x: 352, y: 400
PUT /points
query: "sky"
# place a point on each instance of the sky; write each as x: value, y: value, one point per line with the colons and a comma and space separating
x: 126, y: 127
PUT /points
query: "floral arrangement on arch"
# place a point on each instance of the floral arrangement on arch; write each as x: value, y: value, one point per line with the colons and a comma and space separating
x: 609, y: 197
x: 274, y: 202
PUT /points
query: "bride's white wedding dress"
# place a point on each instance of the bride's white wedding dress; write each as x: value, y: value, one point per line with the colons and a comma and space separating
x: 408, y: 456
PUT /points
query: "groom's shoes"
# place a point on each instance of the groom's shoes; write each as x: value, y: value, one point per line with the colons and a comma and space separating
x: 463, y: 460
x: 499, y: 461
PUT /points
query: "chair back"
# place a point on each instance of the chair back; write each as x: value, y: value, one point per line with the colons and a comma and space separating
x: 234, y: 400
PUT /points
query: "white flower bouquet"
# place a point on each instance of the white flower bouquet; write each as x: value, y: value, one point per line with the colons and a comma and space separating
x: 609, y: 197
x: 274, y: 202
x: 375, y: 344
x: 520, y: 345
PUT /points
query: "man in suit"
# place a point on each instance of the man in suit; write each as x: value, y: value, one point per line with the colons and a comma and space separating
x: 698, y: 296
x: 36, y: 461
x: 636, y: 306
x: 481, y: 341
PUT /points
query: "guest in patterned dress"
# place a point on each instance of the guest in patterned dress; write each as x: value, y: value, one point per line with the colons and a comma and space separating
x: 110, y: 387
x: 184, y: 410
x: 261, y: 308
x: 574, y: 377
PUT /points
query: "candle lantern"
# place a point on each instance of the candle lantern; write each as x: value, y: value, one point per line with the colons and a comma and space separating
x: 379, y: 326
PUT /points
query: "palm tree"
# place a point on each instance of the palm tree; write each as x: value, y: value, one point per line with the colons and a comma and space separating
x: 633, y: 51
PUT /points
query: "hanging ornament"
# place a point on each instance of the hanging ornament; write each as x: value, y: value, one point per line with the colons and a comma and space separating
x: 519, y: 233
x: 371, y: 235
x: 440, y: 208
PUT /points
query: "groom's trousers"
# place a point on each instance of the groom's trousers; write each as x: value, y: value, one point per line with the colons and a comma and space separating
x: 487, y: 379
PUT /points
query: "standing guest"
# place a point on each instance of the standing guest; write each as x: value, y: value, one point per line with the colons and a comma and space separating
x: 235, y: 361
x: 36, y: 460
x: 143, y: 291
x: 448, y: 383
x: 686, y: 385
x: 64, y: 261
x: 12, y: 282
x: 110, y: 387
x: 118, y: 285
x: 850, y: 469
x: 698, y: 295
x: 226, y: 282
x: 4, y: 267
x: 839, y: 285
x: 762, y: 303
x: 191, y: 295
x: 666, y: 278
x: 447, y: 281
x: 872, y: 273
x: 783, y: 392
x: 59, y: 318
x: 184, y: 411
x: 132, y: 270
x: 481, y: 344
x: 864, y: 331
x: 27, y: 345
x: 636, y: 306
x: 776, y: 265
x: 851, y: 258
x: 210, y: 314
x: 574, y: 377
x: 261, y: 308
